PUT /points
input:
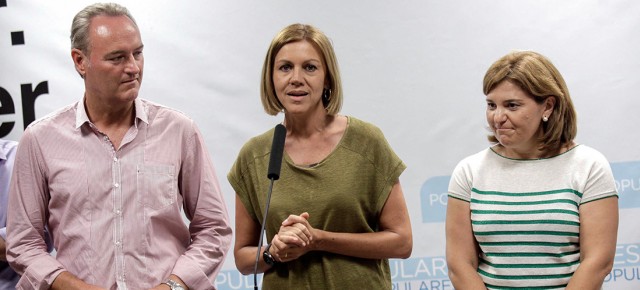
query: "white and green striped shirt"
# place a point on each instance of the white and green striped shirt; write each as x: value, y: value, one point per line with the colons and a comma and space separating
x: 524, y: 213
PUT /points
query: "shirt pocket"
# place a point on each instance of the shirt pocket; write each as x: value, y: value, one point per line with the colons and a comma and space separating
x: 156, y: 185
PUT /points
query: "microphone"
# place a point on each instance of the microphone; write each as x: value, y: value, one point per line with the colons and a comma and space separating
x: 273, y: 173
x: 277, y: 148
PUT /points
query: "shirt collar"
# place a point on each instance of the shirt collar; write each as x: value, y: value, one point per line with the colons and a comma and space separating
x: 5, y: 148
x: 3, y: 154
x: 82, y: 117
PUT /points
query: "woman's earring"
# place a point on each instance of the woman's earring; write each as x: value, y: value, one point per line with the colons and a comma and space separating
x: 545, y: 118
x: 326, y: 97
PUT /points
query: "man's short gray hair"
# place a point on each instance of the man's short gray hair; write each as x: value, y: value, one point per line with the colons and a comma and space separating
x: 82, y: 20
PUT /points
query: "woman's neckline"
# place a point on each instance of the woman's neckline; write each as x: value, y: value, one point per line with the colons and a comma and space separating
x: 564, y: 150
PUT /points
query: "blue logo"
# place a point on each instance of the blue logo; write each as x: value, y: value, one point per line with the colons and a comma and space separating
x: 233, y: 279
x: 406, y: 274
x: 627, y: 178
x: 626, y: 265
x: 433, y: 194
x: 433, y: 198
x: 627, y: 255
x: 418, y: 268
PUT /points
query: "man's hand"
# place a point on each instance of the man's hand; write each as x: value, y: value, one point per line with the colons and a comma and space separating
x: 175, y: 278
x: 3, y: 250
x: 67, y: 281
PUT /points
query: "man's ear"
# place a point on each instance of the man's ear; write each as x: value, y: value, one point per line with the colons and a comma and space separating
x: 79, y: 61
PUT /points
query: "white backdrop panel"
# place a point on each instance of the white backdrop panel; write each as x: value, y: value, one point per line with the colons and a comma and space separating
x: 414, y: 68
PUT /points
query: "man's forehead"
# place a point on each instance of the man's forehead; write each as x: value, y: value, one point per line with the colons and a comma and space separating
x: 104, y: 25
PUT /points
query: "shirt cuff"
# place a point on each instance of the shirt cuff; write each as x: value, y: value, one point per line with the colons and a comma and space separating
x: 3, y: 233
x: 193, y: 276
x: 41, y: 273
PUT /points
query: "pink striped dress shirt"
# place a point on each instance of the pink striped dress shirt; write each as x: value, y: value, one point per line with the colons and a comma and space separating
x: 115, y: 215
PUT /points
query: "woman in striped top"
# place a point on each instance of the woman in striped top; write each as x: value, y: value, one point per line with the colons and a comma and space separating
x: 535, y: 210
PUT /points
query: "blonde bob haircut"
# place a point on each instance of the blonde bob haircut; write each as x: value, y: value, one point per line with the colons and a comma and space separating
x: 536, y: 75
x: 293, y: 33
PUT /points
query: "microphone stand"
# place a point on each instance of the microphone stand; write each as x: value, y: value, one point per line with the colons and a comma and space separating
x: 273, y: 173
x: 264, y: 222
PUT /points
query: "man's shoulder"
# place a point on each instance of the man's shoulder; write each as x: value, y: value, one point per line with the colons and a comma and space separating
x: 155, y: 110
x: 56, y: 119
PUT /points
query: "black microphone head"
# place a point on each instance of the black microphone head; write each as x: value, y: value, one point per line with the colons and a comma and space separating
x: 277, y: 149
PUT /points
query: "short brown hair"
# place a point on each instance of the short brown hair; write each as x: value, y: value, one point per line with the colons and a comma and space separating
x: 293, y: 33
x: 536, y: 75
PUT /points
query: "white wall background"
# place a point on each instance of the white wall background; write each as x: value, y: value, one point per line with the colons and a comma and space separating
x: 414, y: 68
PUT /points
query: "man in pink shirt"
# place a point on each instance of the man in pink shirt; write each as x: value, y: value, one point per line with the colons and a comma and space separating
x: 110, y: 175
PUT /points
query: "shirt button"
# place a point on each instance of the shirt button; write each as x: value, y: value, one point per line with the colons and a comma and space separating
x: 116, y: 185
x: 115, y: 159
x: 118, y: 212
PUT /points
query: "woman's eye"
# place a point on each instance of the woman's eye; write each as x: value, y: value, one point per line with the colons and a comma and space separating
x: 285, y: 67
x: 491, y: 106
x: 311, y: 68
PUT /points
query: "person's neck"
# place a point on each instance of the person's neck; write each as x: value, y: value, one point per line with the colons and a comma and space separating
x: 105, y: 115
x: 309, y: 125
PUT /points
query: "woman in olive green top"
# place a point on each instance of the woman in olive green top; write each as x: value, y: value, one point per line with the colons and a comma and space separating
x: 337, y: 213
